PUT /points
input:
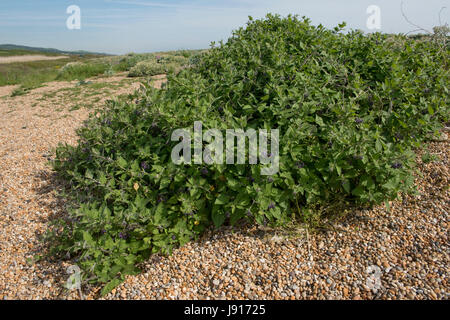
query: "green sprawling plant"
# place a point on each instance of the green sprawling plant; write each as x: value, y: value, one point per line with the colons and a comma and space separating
x: 159, y: 64
x: 350, y: 108
x: 131, y: 59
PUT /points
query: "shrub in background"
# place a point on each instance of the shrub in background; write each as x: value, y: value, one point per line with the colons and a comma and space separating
x: 159, y: 64
x: 131, y: 59
x: 151, y: 68
x: 80, y: 70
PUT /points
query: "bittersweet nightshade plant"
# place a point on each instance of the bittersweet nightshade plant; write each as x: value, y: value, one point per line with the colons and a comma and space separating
x: 350, y: 94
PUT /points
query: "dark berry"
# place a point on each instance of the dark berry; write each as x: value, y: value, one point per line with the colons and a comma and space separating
x: 144, y: 165
x: 122, y: 235
x: 397, y: 165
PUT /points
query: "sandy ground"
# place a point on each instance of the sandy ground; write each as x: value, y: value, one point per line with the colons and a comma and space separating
x: 373, y: 254
x: 27, y: 58
x: 7, y: 90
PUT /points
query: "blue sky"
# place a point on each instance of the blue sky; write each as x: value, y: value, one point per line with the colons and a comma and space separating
x: 121, y: 26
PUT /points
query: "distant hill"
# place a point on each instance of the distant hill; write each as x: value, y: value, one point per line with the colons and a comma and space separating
x: 20, y: 48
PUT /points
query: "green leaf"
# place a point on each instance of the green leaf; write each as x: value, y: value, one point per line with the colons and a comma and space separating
x: 122, y: 162
x: 110, y: 286
x: 218, y: 217
x: 89, y: 174
x: 88, y: 238
x: 222, y: 199
x: 358, y: 191
x: 346, y: 185
x: 102, y: 178
x: 164, y: 183
x: 319, y: 121
x: 159, y: 213
x: 388, y: 207
x: 378, y: 146
x: 390, y: 185
x: 338, y: 169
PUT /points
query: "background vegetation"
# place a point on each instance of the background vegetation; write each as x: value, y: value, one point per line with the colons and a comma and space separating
x: 32, y: 74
